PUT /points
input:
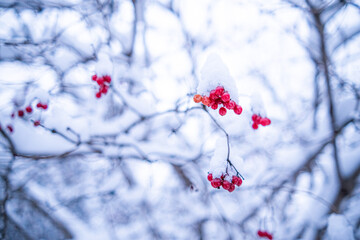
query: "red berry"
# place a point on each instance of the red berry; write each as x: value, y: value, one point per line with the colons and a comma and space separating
x: 232, y: 187
x: 261, y: 233
x: 210, y: 177
x: 44, y: 106
x: 230, y: 105
x: 104, y: 89
x: 226, y: 185
x: 238, y: 109
x: 236, y: 180
x: 100, y: 81
x: 94, y: 77
x: 254, y: 117
x: 28, y: 109
x: 268, y: 235
x: 225, y: 97
x: 216, y: 183
x: 214, y: 106
x: 213, y: 95
x: 266, y: 121
x: 39, y: 105
x: 20, y: 113
x: 12, y: 115
x: 10, y: 128
x: 107, y: 78
x: 219, y: 90
x: 222, y: 111
x: 255, y: 126
x: 36, y: 123
x: 206, y: 101
x: 197, y: 98
x: 98, y: 94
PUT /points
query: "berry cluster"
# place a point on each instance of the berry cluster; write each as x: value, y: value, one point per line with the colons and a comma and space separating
x: 103, y: 83
x: 217, y: 97
x: 258, y: 120
x: 28, y: 110
x: 265, y: 234
x: 218, y: 182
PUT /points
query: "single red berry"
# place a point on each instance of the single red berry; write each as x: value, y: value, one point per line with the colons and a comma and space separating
x: 104, y: 89
x: 28, y: 109
x: 214, y: 106
x: 216, y: 183
x: 20, y: 113
x: 219, y: 90
x: 94, y: 77
x: 98, y: 94
x: 268, y: 235
x: 255, y: 126
x: 206, y: 101
x: 237, y: 181
x: 266, y: 121
x: 225, y: 97
x: 238, y: 109
x: 232, y: 187
x: 100, y: 81
x: 36, y: 123
x: 213, y: 95
x: 44, y: 106
x: 254, y: 117
x: 107, y: 78
x: 261, y: 233
x: 197, y: 98
x: 222, y: 111
x: 39, y: 105
x: 10, y: 128
x: 210, y: 177
x: 226, y: 185
x: 230, y: 105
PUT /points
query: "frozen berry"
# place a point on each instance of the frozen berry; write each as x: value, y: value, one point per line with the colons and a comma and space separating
x: 98, y: 94
x: 266, y: 121
x: 226, y: 185
x: 94, y: 77
x: 225, y: 97
x: 36, y: 123
x: 216, y: 183
x: 236, y: 180
x: 206, y: 101
x: 213, y: 95
x: 238, y: 109
x: 100, y: 81
x: 232, y: 187
x: 269, y: 236
x: 39, y: 105
x: 222, y: 111
x: 28, y: 109
x: 10, y: 128
x: 104, y: 89
x: 210, y: 177
x: 44, y: 106
x: 197, y: 98
x: 219, y: 90
x: 20, y: 113
x: 255, y: 126
x: 214, y: 106
x: 107, y: 78
x: 261, y: 233
x: 231, y: 105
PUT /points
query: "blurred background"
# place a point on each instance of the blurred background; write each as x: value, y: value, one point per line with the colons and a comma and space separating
x: 133, y: 163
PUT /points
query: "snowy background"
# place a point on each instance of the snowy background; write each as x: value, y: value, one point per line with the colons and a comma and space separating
x: 133, y: 164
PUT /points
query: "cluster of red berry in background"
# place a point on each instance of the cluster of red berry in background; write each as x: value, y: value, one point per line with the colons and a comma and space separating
x: 258, y: 120
x: 21, y: 113
x: 103, y: 83
x: 264, y: 234
x: 225, y: 184
x: 217, y: 97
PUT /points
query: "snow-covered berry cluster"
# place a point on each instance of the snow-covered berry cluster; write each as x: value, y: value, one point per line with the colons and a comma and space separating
x: 219, y: 96
x: 264, y: 234
x: 225, y: 182
x: 103, y: 83
x: 258, y: 120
